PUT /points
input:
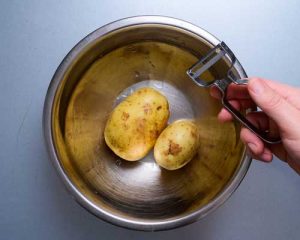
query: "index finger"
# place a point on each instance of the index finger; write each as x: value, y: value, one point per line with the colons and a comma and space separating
x: 240, y: 91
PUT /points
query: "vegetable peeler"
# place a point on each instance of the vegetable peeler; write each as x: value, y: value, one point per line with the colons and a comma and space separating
x: 215, y: 55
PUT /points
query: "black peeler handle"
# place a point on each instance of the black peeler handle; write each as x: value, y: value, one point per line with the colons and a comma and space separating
x: 223, y: 85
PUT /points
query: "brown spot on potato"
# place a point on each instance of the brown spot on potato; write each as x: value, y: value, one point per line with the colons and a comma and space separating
x: 126, y: 127
x: 125, y: 116
x: 173, y: 149
x: 193, y: 134
x: 147, y: 108
x: 141, y: 122
x: 154, y: 133
x: 158, y: 108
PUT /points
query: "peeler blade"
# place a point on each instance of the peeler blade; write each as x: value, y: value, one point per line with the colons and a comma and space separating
x: 205, y: 63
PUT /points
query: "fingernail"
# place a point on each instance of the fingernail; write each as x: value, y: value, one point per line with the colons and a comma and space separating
x: 258, y: 87
x: 252, y: 147
x: 267, y: 157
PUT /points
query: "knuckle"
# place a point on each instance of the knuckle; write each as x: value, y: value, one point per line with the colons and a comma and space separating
x: 274, y: 101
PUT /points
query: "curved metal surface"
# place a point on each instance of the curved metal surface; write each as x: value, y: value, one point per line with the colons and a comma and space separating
x: 78, y: 188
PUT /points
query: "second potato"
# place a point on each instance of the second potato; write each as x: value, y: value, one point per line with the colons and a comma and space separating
x: 177, y: 144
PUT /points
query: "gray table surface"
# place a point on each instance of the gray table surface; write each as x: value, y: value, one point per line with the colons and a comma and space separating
x: 34, y: 38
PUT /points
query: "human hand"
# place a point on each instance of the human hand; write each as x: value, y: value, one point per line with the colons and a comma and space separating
x: 280, y: 115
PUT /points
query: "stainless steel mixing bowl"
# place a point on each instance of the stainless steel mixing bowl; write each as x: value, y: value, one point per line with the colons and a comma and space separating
x: 99, y: 72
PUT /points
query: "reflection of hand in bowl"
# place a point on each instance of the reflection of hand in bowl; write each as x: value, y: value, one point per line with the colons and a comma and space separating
x: 83, y: 92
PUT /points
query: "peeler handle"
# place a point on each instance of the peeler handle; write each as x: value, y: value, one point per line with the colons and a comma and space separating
x: 223, y: 85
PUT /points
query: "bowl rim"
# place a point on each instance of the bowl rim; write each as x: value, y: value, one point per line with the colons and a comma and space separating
x: 49, y: 141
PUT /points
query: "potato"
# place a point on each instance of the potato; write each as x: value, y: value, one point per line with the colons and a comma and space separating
x: 135, y: 124
x: 177, y: 144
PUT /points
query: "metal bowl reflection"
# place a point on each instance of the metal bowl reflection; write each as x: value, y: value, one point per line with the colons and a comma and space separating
x: 98, y: 73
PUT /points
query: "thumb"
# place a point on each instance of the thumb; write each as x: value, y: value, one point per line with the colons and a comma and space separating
x: 273, y: 104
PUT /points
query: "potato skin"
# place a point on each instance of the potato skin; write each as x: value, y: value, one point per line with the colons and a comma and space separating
x: 135, y: 124
x: 177, y: 144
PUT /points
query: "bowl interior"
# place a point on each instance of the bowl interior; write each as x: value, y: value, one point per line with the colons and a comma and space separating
x: 103, y: 74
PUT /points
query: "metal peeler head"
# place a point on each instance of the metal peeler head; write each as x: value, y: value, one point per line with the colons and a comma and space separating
x: 208, y: 61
